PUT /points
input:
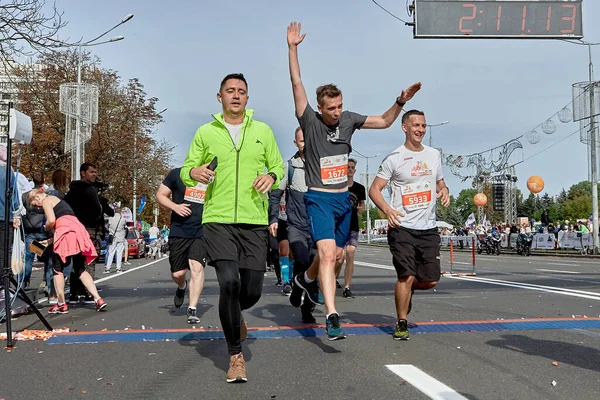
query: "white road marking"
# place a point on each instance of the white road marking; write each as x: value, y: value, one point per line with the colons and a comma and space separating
x: 44, y: 299
x: 371, y: 265
x: 428, y: 385
x: 529, y: 286
x: 564, y: 264
x: 521, y: 285
x: 128, y: 271
x: 463, y: 263
x: 557, y: 271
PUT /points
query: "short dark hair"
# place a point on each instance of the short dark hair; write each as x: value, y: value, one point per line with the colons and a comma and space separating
x: 85, y: 166
x: 352, y: 160
x: 233, y: 76
x: 38, y: 178
x: 410, y: 113
x: 329, y: 90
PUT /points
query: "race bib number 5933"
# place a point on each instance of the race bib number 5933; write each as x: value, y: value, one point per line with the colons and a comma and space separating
x: 414, y: 198
x: 334, y: 169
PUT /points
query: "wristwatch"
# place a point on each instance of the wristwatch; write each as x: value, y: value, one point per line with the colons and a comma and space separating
x: 273, y: 175
x: 400, y: 104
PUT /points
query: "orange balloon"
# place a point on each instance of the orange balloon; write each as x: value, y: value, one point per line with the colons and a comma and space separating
x: 535, y: 184
x: 480, y: 199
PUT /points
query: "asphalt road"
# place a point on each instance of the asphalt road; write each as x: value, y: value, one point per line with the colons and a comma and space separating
x: 493, y: 336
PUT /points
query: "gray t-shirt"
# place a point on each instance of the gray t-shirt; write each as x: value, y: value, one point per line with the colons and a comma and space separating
x: 327, y: 148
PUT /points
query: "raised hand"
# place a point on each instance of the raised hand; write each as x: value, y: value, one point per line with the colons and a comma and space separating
x: 408, y: 94
x: 294, y: 38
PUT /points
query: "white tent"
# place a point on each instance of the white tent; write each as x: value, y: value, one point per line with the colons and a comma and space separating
x: 442, y: 224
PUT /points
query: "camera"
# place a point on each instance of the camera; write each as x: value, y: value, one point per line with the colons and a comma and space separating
x: 101, y: 186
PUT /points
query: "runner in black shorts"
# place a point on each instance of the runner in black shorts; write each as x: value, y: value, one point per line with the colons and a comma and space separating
x: 238, y: 158
x: 414, y: 172
x: 186, y: 246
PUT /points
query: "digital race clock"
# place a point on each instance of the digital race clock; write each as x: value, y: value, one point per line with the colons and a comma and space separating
x: 498, y: 19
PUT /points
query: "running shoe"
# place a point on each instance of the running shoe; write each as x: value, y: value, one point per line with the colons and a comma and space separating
x: 308, y: 318
x: 311, y: 289
x: 56, y: 309
x: 347, y: 293
x: 179, y: 296
x: 287, y: 289
x: 192, y: 317
x: 333, y: 328
x: 237, y: 369
x: 401, y: 331
x: 100, y: 304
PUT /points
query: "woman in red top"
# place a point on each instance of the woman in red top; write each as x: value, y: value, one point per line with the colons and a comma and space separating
x: 70, y: 239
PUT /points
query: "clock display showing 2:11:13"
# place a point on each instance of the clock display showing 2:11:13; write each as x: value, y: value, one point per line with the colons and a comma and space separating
x: 567, y: 21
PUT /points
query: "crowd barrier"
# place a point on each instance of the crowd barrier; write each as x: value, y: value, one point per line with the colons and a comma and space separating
x: 542, y: 241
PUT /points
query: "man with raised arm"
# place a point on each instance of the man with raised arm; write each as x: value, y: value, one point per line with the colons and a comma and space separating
x: 327, y: 136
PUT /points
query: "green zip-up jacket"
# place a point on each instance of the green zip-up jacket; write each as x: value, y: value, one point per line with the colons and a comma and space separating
x: 230, y: 198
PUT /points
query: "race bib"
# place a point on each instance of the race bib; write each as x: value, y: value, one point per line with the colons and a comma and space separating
x: 416, y: 196
x: 334, y: 169
x: 195, y: 194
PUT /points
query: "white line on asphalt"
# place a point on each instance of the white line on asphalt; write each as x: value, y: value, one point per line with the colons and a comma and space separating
x: 463, y: 263
x: 557, y: 271
x: 428, y: 385
x: 128, y: 271
x: 528, y: 286
x: 564, y: 264
x: 371, y: 265
x: 45, y: 298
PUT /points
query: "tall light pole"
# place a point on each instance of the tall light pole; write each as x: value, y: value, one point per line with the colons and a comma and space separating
x: 431, y: 133
x: 368, y: 198
x: 134, y: 211
x: 592, y: 144
x: 78, y: 156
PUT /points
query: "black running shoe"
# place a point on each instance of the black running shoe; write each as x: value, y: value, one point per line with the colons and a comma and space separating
x: 179, y: 296
x: 311, y: 289
x: 401, y: 331
x: 192, y: 318
x: 287, y: 289
x: 296, y: 295
x: 347, y: 293
x: 333, y: 328
x: 279, y: 283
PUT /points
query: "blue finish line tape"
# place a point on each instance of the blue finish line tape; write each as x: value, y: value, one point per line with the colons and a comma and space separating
x: 164, y: 335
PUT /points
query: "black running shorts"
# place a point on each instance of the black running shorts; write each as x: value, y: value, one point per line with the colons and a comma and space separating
x: 245, y: 244
x: 416, y: 253
x: 181, y: 250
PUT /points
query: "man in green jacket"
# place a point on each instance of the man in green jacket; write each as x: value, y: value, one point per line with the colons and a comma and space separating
x: 236, y: 204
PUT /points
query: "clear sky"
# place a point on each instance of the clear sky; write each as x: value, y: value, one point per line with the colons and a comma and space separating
x: 490, y: 90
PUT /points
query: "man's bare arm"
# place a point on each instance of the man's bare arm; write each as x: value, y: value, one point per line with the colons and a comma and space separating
x: 389, y: 117
x: 294, y: 38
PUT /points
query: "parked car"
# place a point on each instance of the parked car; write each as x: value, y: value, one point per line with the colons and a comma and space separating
x: 135, y: 244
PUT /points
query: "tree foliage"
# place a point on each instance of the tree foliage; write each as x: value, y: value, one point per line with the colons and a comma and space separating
x: 122, y: 143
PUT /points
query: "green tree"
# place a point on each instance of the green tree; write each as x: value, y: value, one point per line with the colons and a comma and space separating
x: 578, y: 207
x: 464, y: 203
x: 580, y: 189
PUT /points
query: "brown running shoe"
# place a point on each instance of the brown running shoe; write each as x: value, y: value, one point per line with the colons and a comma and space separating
x: 237, y: 369
x: 243, y: 329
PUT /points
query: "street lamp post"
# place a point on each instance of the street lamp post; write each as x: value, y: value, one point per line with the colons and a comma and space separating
x: 431, y: 133
x: 592, y: 143
x: 134, y: 211
x: 79, y: 152
x: 368, y: 199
